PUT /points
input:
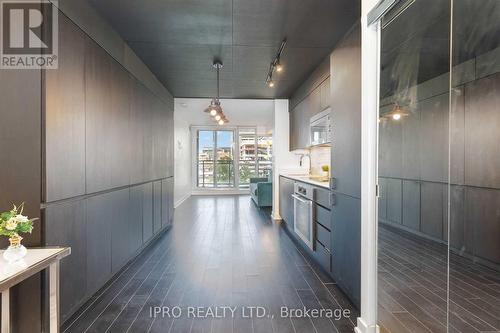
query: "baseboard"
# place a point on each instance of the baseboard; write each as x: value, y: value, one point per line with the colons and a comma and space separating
x: 181, y: 200
x: 362, y: 327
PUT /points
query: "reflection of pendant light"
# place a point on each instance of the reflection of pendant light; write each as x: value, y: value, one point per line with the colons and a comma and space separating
x: 395, y: 114
x: 215, y: 109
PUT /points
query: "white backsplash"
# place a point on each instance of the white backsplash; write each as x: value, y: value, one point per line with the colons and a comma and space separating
x: 320, y: 156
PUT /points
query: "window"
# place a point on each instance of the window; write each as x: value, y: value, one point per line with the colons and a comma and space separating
x: 217, y: 158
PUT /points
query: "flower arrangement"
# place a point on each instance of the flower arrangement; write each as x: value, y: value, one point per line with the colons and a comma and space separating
x: 13, y: 223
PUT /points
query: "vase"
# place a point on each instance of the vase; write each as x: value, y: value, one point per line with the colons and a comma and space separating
x: 16, y: 250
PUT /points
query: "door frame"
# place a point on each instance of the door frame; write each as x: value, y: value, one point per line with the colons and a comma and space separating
x: 372, y: 12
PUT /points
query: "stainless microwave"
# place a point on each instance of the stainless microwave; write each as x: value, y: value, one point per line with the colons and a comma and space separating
x: 321, y: 128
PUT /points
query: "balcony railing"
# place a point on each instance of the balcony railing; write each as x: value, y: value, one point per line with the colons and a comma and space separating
x: 224, y: 172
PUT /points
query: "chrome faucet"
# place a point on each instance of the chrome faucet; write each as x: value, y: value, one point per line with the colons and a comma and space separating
x: 302, y: 157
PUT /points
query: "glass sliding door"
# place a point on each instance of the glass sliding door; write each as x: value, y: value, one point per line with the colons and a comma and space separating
x: 215, y: 159
x: 413, y: 167
x: 474, y: 191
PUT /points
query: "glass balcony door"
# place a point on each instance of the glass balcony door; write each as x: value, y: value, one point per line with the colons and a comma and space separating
x: 215, y: 159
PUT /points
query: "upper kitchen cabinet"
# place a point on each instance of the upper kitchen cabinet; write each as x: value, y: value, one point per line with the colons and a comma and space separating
x: 65, y: 117
x: 312, y: 97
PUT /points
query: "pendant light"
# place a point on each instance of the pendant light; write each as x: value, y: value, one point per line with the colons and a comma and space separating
x: 215, y: 109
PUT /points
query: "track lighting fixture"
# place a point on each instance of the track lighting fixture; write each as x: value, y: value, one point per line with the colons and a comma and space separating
x: 275, y: 65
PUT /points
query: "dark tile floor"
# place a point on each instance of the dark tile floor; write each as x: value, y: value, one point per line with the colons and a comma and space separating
x: 222, y: 251
x: 413, y: 287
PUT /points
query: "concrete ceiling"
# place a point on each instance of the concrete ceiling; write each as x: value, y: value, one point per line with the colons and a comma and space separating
x: 178, y: 40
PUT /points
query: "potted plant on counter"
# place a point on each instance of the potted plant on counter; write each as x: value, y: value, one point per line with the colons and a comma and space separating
x: 13, y: 223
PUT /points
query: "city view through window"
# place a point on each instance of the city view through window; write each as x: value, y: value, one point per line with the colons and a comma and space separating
x: 221, y: 152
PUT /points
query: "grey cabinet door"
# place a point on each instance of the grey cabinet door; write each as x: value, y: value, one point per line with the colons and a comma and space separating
x: 394, y: 200
x: 482, y: 151
x: 346, y: 245
x: 157, y: 214
x: 65, y: 117
x: 66, y: 226
x: 119, y: 215
x: 483, y: 215
x: 325, y: 94
x: 286, y: 201
x: 147, y: 212
x: 314, y: 103
x: 432, y: 209
x: 107, y: 120
x: 434, y: 138
x: 136, y: 215
x: 138, y: 132
x: 165, y: 203
x: 411, y: 204
x: 98, y: 236
x: 346, y: 115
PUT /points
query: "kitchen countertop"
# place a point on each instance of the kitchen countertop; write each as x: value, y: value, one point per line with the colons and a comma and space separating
x: 306, y: 179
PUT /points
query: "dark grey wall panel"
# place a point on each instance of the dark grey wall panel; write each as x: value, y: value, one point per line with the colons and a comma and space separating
x: 482, y: 124
x: 98, y: 235
x: 147, y: 212
x: 66, y: 226
x: 156, y: 206
x: 136, y: 205
x: 391, y: 149
x: 346, y: 114
x: 434, y: 138
x: 411, y: 204
x: 394, y: 200
x: 120, y: 228
x: 483, y: 214
x: 65, y: 117
x: 432, y: 209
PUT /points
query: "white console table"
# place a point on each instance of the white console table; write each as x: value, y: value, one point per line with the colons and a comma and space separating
x: 35, y: 261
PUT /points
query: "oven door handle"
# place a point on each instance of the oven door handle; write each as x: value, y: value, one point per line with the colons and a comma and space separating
x: 295, y: 196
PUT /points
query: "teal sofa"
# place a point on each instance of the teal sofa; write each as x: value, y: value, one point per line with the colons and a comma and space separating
x: 261, y: 190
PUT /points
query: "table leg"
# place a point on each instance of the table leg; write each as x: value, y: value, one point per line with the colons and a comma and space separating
x: 6, y: 311
x: 54, y: 297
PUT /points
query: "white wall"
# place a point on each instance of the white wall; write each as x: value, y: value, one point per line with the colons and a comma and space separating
x: 283, y: 159
x: 182, y: 156
x: 189, y: 112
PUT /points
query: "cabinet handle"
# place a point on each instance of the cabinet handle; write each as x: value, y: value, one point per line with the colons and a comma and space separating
x: 333, y: 183
x: 333, y: 200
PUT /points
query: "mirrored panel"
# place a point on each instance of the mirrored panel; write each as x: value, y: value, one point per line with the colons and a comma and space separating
x: 474, y: 233
x: 413, y: 167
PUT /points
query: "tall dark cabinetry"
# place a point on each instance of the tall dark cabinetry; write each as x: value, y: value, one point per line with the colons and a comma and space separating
x: 346, y: 163
x: 107, y: 175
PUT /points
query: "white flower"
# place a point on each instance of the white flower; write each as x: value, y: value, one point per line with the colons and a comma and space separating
x: 11, y: 224
x: 21, y: 218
